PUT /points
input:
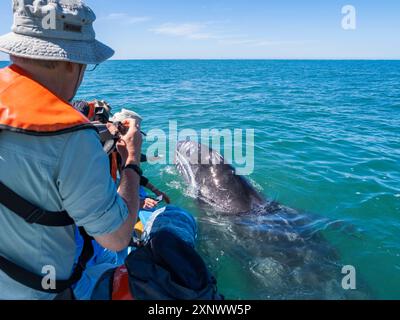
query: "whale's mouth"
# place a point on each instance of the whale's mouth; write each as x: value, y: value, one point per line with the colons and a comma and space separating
x: 191, y: 156
x: 184, y: 167
x: 194, y: 163
x: 198, y: 154
x: 212, y: 181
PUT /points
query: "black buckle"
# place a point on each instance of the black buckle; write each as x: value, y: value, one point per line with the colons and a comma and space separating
x: 35, y: 216
x: 136, y: 243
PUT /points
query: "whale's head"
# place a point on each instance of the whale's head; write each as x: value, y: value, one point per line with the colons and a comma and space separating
x: 214, y: 181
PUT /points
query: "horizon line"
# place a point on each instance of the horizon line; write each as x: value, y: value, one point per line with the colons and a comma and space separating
x: 255, y: 59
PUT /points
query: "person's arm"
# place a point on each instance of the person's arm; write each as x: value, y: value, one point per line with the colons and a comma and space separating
x: 120, y: 239
x: 89, y: 193
x: 129, y: 148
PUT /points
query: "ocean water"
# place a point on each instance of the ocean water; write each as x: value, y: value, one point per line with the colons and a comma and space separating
x: 327, y: 142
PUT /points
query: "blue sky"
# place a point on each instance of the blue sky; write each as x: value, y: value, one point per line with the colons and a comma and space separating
x: 203, y: 29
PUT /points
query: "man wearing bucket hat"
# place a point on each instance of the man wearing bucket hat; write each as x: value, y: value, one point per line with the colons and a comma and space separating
x: 50, y: 154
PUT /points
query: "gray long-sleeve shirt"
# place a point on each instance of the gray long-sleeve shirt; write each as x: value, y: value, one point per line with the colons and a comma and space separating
x: 66, y: 172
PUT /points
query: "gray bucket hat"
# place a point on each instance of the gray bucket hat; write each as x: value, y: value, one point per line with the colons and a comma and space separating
x: 55, y: 30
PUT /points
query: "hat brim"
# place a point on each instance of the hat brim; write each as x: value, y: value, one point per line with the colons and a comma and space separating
x: 84, y: 52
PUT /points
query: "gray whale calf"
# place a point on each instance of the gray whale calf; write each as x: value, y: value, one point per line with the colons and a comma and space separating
x: 280, y: 251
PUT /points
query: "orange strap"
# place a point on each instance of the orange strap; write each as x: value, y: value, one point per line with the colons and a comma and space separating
x: 28, y: 107
x: 91, y: 110
x: 121, y: 289
x: 114, y: 165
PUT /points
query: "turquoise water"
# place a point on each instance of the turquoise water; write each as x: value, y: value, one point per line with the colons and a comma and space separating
x: 327, y: 142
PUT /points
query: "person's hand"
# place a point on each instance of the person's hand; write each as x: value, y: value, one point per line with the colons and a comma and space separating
x: 149, y: 204
x: 130, y: 145
x: 164, y: 195
x: 112, y: 128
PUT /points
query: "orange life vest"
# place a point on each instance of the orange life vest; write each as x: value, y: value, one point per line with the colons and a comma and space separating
x: 28, y: 107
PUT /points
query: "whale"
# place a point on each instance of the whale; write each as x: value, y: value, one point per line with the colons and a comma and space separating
x: 281, y: 252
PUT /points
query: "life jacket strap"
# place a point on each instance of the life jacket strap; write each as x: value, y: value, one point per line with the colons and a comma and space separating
x: 31, y: 213
x: 35, y: 215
